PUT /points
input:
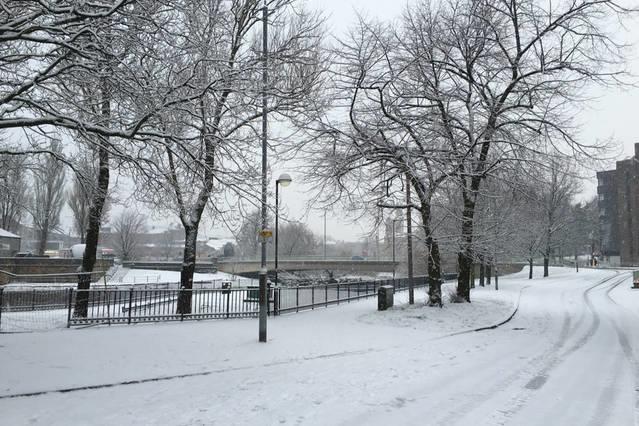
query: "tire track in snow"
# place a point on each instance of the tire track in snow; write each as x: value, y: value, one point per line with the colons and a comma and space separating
x: 540, y: 378
x: 451, y: 416
x: 188, y: 375
x: 546, y: 358
x: 627, y: 349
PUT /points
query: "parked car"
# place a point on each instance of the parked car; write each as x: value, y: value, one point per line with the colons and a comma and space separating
x: 29, y: 254
x: 24, y: 254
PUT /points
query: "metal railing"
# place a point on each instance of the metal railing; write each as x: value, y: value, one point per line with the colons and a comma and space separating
x: 44, y: 308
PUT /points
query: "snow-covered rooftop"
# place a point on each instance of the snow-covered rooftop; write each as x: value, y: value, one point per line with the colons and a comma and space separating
x: 219, y: 243
x: 7, y: 234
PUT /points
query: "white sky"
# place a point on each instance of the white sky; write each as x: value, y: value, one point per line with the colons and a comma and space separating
x: 611, y: 114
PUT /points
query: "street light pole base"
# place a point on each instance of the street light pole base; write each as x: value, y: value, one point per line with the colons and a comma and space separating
x: 263, y: 306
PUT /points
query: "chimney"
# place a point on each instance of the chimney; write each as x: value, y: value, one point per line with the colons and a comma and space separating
x: 637, y: 151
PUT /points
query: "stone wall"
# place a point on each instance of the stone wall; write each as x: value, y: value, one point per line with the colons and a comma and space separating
x: 21, y: 266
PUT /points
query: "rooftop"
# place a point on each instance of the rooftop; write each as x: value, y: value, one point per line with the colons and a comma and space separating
x: 7, y: 234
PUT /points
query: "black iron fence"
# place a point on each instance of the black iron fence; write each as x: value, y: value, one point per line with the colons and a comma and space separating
x: 43, y: 308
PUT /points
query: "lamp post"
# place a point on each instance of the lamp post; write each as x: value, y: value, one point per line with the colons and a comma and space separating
x: 263, y: 290
x: 284, y: 180
x: 409, y: 243
x: 324, y: 234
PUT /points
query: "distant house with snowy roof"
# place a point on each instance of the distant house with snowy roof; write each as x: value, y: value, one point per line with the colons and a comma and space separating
x: 9, y: 243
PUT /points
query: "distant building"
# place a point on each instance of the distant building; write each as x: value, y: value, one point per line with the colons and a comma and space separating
x: 607, y: 202
x: 618, y: 193
x: 9, y: 243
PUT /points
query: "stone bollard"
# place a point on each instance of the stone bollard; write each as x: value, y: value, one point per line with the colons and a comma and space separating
x: 385, y: 297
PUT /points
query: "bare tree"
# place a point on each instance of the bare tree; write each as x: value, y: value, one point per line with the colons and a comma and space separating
x: 555, y: 197
x: 248, y: 238
x: 168, y: 243
x: 387, y: 143
x: 48, y: 195
x: 14, y: 191
x: 296, y: 239
x: 127, y: 228
x: 505, y: 81
x: 210, y: 151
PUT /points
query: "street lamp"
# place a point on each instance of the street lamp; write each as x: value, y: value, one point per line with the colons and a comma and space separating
x: 263, y: 311
x: 324, y: 234
x: 284, y: 180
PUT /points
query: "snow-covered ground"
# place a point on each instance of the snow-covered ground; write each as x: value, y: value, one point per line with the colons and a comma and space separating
x: 567, y: 357
x: 126, y: 276
x: 150, y: 276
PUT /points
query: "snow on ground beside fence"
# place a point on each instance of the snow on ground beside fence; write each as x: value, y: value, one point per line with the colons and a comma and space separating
x: 138, y: 276
x: 488, y: 307
x: 346, y: 364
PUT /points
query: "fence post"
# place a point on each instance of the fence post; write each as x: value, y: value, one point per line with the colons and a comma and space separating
x: 326, y: 296
x: 33, y: 293
x: 348, y: 287
x: 297, y: 298
x: 70, y: 303
x: 338, y: 294
x: 276, y: 301
x: 228, y: 303
x: 182, y: 310
x: 312, y: 297
x: 130, y: 303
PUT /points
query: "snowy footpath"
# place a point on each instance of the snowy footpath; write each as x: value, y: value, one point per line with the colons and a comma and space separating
x: 566, y: 357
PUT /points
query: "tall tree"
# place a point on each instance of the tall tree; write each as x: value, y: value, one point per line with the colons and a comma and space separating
x: 210, y: 152
x: 14, y: 191
x: 48, y: 194
x: 511, y: 72
x: 555, y: 198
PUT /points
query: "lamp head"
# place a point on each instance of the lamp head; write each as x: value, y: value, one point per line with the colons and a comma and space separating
x: 284, y: 179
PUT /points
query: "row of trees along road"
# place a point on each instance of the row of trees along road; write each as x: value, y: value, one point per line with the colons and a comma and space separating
x: 453, y: 95
x: 456, y: 92
x: 167, y: 90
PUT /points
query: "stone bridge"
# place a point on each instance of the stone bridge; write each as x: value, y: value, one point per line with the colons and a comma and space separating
x: 344, y: 265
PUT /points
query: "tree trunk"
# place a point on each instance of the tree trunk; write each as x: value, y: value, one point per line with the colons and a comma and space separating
x: 465, y: 255
x: 489, y: 271
x: 184, y: 304
x: 482, y: 272
x: 93, y: 233
x: 433, y: 261
x: 546, y: 263
x: 44, y: 236
x: 473, y: 275
x: 530, y: 268
x: 434, y: 273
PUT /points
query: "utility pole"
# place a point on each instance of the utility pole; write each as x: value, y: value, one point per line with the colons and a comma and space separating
x: 409, y: 243
x: 324, y: 234
x: 263, y: 298
x: 394, y: 252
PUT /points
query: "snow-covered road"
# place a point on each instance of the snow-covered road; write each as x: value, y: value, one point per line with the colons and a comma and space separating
x: 567, y: 357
